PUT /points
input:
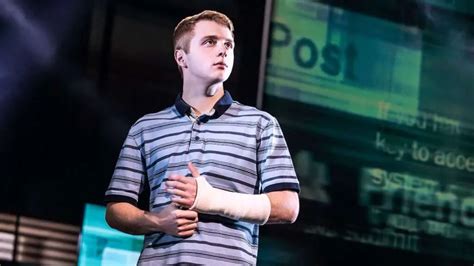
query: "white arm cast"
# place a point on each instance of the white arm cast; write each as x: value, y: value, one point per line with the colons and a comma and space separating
x: 238, y: 206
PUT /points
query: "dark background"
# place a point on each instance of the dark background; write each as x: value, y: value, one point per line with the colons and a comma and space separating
x: 78, y: 74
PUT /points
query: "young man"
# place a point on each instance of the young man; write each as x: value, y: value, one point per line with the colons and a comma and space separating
x: 216, y: 169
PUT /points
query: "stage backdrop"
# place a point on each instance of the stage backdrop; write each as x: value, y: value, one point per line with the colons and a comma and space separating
x: 375, y: 99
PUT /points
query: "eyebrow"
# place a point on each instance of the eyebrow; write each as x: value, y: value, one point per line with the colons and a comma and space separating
x: 215, y: 37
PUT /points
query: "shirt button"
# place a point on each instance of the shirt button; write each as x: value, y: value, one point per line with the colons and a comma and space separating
x: 196, y: 138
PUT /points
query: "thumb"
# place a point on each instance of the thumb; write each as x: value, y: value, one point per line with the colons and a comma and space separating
x: 193, y: 169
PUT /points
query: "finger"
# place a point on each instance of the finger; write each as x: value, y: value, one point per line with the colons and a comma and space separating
x: 194, y: 171
x: 172, y: 177
x: 187, y: 214
x: 186, y: 233
x: 180, y: 194
x: 175, y: 177
x: 180, y: 181
x: 176, y: 185
x: 187, y: 227
x: 184, y: 221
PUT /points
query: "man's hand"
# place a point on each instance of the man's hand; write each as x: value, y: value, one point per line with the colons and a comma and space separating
x: 183, y: 189
x: 129, y: 219
x: 274, y: 207
x: 172, y: 221
x: 197, y: 194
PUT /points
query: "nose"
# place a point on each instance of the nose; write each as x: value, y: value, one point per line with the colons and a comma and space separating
x: 223, y: 52
x: 223, y: 49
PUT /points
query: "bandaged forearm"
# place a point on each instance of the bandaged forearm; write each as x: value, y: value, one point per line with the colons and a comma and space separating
x: 238, y: 206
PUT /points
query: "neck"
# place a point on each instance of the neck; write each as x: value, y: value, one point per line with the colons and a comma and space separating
x: 202, y: 98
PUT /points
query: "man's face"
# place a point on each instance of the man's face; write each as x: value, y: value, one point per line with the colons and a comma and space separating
x: 211, y: 53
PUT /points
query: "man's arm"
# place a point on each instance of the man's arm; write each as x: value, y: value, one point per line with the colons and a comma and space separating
x: 127, y: 218
x: 285, y: 207
x: 273, y: 207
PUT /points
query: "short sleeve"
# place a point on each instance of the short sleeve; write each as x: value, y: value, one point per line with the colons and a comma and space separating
x: 129, y: 175
x: 275, y: 167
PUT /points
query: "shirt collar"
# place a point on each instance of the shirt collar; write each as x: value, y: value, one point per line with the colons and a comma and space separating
x: 220, y: 107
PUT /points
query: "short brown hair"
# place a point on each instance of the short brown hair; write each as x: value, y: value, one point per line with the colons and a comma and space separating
x: 182, y: 36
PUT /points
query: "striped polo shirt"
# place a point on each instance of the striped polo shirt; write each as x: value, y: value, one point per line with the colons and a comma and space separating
x: 238, y: 148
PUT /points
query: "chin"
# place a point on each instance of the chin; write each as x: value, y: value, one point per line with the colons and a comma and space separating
x: 221, y: 76
x: 219, y: 79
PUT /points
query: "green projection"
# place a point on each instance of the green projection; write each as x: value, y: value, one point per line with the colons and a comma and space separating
x: 377, y: 115
x: 410, y: 207
x: 324, y: 55
x: 102, y: 245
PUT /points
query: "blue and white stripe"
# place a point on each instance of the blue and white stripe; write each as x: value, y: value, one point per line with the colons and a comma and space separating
x: 239, y: 148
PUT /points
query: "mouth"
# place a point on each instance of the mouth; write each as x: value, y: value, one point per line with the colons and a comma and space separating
x: 221, y: 64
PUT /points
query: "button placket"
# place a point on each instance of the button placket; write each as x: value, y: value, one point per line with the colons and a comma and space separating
x: 196, y: 140
x: 194, y: 131
x: 191, y: 134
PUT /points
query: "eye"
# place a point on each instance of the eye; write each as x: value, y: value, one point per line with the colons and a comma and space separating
x: 209, y: 42
x: 229, y: 45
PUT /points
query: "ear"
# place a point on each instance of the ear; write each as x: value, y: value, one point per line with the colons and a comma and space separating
x: 180, y: 57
